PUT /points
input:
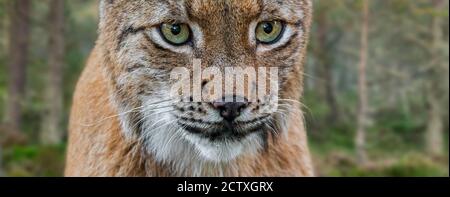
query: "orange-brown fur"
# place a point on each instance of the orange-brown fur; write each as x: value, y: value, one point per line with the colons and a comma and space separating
x: 100, y: 148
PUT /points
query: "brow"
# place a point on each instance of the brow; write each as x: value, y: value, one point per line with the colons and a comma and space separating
x: 176, y: 16
x: 279, y: 10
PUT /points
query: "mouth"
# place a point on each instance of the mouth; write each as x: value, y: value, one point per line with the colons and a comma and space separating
x: 224, y: 131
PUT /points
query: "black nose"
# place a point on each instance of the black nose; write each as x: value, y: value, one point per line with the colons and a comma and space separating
x: 231, y: 110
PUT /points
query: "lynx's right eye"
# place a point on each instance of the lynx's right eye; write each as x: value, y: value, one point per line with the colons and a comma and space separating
x: 176, y: 34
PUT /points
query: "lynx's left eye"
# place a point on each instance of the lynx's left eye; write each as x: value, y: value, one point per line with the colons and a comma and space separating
x: 269, y: 32
x: 176, y: 34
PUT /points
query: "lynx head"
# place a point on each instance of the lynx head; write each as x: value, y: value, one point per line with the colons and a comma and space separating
x: 144, y: 41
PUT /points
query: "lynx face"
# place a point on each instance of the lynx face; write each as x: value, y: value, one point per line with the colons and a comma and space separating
x: 146, y: 40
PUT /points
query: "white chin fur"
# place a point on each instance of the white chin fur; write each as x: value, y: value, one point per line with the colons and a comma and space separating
x: 170, y: 144
x: 225, y: 151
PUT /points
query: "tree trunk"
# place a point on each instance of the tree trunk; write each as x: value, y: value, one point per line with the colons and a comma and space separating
x: 52, y: 131
x: 360, y: 139
x: 326, y: 68
x: 434, y: 132
x: 19, y: 34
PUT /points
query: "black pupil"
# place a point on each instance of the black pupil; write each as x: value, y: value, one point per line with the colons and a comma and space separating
x: 268, y: 28
x: 175, y: 29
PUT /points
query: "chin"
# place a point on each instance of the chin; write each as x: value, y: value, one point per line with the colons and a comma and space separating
x: 178, y: 146
x: 226, y: 149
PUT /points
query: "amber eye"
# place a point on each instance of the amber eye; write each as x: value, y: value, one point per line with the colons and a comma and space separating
x: 269, y: 32
x: 176, y: 34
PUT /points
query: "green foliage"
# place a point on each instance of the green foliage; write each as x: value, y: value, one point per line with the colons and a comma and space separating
x: 416, y: 165
x: 34, y: 160
x: 340, y: 164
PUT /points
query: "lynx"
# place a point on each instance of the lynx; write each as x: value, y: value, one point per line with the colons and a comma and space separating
x: 125, y: 123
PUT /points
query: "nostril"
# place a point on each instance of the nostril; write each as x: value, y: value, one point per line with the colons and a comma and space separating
x: 204, y: 82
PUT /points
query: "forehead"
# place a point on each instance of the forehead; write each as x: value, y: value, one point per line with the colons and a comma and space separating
x: 207, y: 10
x: 283, y: 9
x: 204, y: 8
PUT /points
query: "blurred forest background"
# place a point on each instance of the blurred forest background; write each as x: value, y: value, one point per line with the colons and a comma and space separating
x: 376, y: 81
